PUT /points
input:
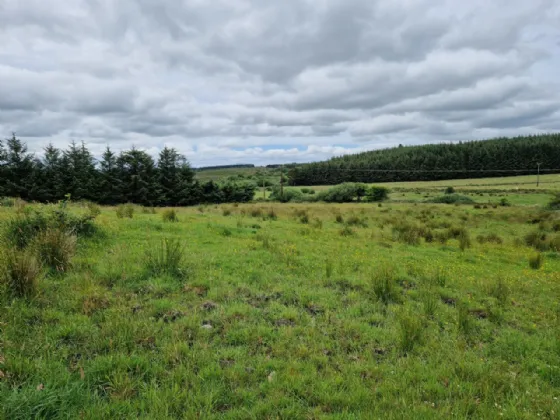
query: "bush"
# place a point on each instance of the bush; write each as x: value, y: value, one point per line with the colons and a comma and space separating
x: 288, y: 195
x: 377, y: 194
x: 464, y: 240
x: 20, y: 272
x: 125, y: 210
x: 226, y: 211
x: 55, y: 248
x: 310, y: 191
x: 536, y: 261
x: 165, y: 258
x: 339, y: 218
x: 343, y: 193
x: 449, y: 190
x: 169, y: 215
x: 451, y: 199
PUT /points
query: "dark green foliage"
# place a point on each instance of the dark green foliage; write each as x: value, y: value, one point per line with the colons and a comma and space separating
x: 287, y: 195
x: 452, y: 199
x: 377, y: 194
x: 343, y: 193
x: 504, y: 202
x: 513, y: 156
x: 449, y: 190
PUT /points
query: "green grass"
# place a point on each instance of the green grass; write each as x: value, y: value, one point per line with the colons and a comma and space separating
x: 239, y: 315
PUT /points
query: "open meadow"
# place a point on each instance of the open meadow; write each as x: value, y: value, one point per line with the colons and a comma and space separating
x: 295, y: 311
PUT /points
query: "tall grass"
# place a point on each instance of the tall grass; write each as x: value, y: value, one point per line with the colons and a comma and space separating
x: 125, y: 211
x: 169, y: 215
x: 55, y: 248
x: 166, y: 258
x: 384, y: 287
x: 20, y: 272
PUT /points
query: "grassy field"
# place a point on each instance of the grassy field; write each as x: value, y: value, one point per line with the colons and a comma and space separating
x: 307, y: 311
x: 271, y: 175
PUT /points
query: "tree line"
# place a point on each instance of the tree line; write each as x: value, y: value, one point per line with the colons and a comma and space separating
x: 476, y: 159
x: 130, y: 176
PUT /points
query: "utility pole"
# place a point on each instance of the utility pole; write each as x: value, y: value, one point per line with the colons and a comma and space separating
x: 538, y: 172
x: 281, y: 181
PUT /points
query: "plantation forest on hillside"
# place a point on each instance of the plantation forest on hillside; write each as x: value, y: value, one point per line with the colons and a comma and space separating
x: 477, y: 159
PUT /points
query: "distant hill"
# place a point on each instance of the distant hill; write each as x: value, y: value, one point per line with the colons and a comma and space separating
x: 473, y: 159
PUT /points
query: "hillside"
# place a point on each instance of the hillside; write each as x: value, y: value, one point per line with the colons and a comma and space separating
x: 475, y: 159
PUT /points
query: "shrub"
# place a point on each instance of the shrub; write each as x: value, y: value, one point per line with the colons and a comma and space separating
x: 55, y: 248
x: 125, y: 210
x: 169, y: 215
x: 226, y: 211
x: 310, y: 191
x: 408, y: 233
x: 304, y: 219
x: 287, y: 195
x: 537, y: 240
x: 165, y: 258
x: 339, y: 218
x: 536, y: 261
x: 451, y: 199
x: 20, y: 272
x: 449, y: 190
x: 343, y: 193
x: 377, y: 194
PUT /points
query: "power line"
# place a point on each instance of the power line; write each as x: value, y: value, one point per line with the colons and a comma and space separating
x: 527, y: 171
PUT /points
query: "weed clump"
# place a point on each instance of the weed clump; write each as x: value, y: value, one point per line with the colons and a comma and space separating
x: 169, y: 215
x: 410, y: 332
x: 346, y: 231
x: 20, y: 272
x: 500, y: 290
x: 55, y: 248
x: 166, y: 258
x: 356, y: 221
x: 226, y: 211
x: 125, y: 211
x: 384, y: 288
x: 536, y: 261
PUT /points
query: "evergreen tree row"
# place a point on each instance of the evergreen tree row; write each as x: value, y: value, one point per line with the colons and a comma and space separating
x: 476, y: 159
x: 131, y: 176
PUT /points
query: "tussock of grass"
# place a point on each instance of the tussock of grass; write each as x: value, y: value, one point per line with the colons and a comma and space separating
x: 55, y: 248
x: 125, y: 211
x: 166, y: 258
x: 169, y: 215
x: 20, y: 272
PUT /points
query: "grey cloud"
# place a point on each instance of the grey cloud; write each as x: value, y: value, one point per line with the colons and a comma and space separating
x: 278, y: 80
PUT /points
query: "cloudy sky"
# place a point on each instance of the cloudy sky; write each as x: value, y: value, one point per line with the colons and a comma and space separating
x: 255, y: 81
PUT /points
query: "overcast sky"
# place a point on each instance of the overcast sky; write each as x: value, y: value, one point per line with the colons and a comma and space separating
x: 255, y: 81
